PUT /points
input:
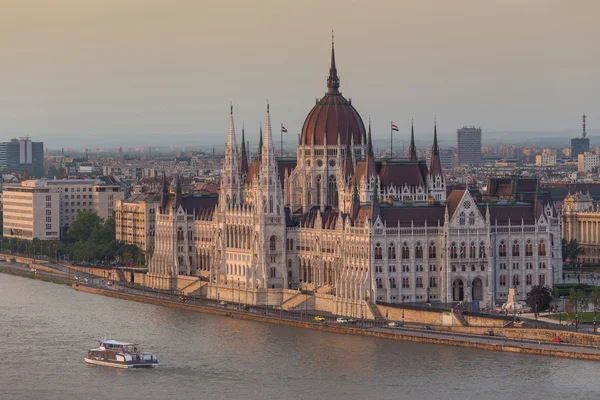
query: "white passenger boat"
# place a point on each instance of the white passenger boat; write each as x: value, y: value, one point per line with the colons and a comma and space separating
x: 111, y: 353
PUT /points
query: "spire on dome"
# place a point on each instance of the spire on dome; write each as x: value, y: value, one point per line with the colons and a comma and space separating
x: 412, y: 150
x: 244, y: 157
x: 333, y: 81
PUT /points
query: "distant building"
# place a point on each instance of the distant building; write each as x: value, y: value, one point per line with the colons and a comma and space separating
x: 69, y: 196
x: 587, y: 162
x: 546, y: 159
x: 582, y: 144
x: 579, y: 146
x: 447, y: 158
x: 20, y: 155
x: 31, y: 210
x: 468, y: 142
x: 135, y: 220
x: 581, y: 221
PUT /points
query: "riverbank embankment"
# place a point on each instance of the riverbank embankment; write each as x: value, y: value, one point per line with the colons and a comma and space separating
x: 414, y: 335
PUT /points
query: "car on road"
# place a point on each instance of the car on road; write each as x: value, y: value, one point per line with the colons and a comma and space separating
x: 342, y: 320
x: 393, y: 324
x: 109, y: 283
x: 223, y: 303
x: 319, y: 318
x: 351, y: 321
x: 557, y: 340
x: 87, y: 280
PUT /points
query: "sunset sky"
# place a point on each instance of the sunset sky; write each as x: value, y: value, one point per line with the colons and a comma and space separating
x: 109, y: 72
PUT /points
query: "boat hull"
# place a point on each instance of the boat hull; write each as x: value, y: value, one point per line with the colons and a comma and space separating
x: 120, y: 365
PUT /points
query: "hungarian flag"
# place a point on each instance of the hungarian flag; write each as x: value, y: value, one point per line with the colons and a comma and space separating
x: 283, y: 129
x: 394, y: 127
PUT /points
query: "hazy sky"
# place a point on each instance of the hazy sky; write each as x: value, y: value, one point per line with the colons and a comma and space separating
x: 94, y: 72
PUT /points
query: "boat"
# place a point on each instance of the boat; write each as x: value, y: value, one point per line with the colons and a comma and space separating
x: 112, y: 353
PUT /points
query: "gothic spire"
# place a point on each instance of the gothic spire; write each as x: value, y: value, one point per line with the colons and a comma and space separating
x: 260, y: 142
x: 412, y: 150
x: 370, y: 158
x: 436, y: 164
x: 231, y: 143
x: 244, y: 157
x: 348, y: 166
x: 333, y: 81
x: 267, y: 147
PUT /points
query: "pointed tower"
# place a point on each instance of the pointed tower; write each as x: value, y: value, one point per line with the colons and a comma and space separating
x: 412, y: 150
x: 230, y: 176
x: 369, y: 180
x: 271, y: 214
x: 348, y: 170
x: 260, y: 143
x: 244, y: 166
x: 437, y: 181
x: 164, y: 196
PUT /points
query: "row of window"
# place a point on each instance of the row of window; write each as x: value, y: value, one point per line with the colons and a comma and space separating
x: 406, y: 282
x: 405, y: 251
x: 516, y: 248
x: 516, y: 281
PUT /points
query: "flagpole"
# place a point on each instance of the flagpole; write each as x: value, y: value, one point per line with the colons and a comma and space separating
x: 391, y: 140
x: 281, y: 131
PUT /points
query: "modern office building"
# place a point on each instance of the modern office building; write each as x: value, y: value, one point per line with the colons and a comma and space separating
x: 69, y: 196
x: 135, y: 220
x: 468, y: 143
x: 546, y: 159
x: 31, y: 210
x: 20, y: 155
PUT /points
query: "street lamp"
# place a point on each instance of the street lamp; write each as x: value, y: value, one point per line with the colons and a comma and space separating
x: 515, y: 303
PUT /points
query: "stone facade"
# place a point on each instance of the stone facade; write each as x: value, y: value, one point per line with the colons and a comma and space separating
x: 349, y: 229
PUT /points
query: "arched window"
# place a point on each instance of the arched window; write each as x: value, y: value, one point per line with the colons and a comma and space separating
x: 392, y: 252
x: 502, y: 249
x: 331, y: 190
x: 463, y: 250
x: 542, y: 248
x: 273, y: 243
x: 432, y: 252
x: 472, y: 251
x: 180, y: 234
x: 453, y: 252
x: 419, y: 250
x: 461, y: 219
x: 516, y: 280
x: 378, y: 252
x: 481, y: 250
x: 502, y: 281
x: 528, y: 248
x: 529, y: 279
x: 515, y: 249
x: 405, y: 251
x: 318, y: 189
x: 471, y: 218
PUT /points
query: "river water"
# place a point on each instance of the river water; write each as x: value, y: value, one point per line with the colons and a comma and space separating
x: 46, y: 329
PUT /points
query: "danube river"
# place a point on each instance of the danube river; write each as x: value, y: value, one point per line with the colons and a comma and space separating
x: 46, y: 329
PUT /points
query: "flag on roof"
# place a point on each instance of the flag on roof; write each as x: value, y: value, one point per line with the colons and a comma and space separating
x: 283, y: 129
x: 394, y: 127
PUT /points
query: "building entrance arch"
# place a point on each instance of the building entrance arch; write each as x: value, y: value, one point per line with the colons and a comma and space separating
x: 458, y: 290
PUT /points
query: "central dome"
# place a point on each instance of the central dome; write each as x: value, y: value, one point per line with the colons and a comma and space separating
x: 333, y: 115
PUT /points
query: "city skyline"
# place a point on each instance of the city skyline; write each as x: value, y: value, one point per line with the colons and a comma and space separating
x: 145, y: 72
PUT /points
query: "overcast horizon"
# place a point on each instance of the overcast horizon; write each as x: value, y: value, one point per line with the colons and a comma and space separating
x: 103, y: 73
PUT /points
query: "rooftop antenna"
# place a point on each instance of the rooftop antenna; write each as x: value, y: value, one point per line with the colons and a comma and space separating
x: 583, y: 117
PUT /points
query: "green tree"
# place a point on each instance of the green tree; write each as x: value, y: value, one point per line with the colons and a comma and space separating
x: 571, y: 250
x: 84, y: 225
x: 539, y: 298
